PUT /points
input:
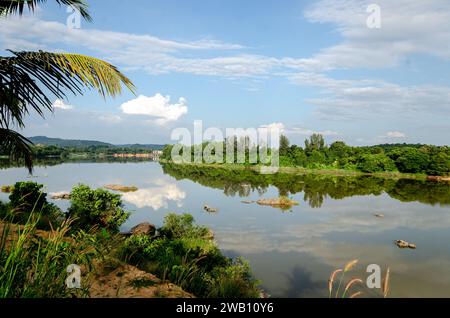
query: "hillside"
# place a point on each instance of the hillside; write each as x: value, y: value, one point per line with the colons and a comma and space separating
x: 67, y: 142
x: 76, y: 143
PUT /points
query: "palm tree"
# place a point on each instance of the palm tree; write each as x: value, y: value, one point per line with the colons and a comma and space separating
x: 27, y: 78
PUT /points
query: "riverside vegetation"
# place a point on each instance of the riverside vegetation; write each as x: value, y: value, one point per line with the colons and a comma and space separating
x: 35, y: 254
x: 390, y: 159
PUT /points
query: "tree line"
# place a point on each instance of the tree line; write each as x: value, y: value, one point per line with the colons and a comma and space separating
x: 316, y: 154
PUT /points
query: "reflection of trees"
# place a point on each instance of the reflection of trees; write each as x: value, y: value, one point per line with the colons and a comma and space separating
x: 49, y: 162
x: 315, y: 187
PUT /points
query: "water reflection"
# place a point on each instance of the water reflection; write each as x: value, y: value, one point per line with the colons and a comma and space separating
x: 315, y: 188
x: 157, y: 196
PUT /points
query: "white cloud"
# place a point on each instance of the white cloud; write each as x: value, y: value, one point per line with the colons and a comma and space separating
x: 158, y: 107
x: 110, y: 118
x: 156, y: 197
x: 352, y: 99
x: 309, y: 132
x: 272, y: 127
x: 395, y: 134
x: 60, y: 104
x: 408, y: 27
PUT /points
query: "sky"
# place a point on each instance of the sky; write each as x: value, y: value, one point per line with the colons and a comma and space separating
x: 329, y: 67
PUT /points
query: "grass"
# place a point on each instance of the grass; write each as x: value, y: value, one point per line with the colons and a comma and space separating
x: 306, y: 171
x: 35, y: 266
x: 142, y: 282
x: 184, y: 255
x: 348, y: 291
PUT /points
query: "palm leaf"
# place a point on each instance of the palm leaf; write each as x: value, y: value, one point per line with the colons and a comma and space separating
x: 8, y: 7
x: 27, y: 77
x: 17, y: 147
x: 21, y: 74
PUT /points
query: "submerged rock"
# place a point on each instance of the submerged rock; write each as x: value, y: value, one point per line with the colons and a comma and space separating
x: 209, y: 209
x: 143, y: 229
x: 281, y: 202
x: 60, y: 196
x: 404, y: 244
x: 438, y: 179
x: 7, y: 189
x: 120, y: 188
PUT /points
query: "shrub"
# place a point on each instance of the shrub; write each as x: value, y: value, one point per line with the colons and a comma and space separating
x: 375, y: 163
x: 4, y: 211
x: 34, y: 266
x: 98, y: 208
x: 185, y: 256
x: 182, y: 226
x: 439, y: 165
x: 28, y: 197
x: 411, y: 160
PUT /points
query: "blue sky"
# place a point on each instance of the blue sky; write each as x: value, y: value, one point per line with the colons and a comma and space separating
x: 304, y: 66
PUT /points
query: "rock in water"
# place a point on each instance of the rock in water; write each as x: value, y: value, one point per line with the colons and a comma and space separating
x: 120, y: 188
x: 209, y: 209
x: 404, y: 244
x: 60, y: 196
x: 144, y: 229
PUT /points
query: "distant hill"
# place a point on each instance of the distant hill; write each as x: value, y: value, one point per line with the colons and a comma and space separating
x: 75, y: 143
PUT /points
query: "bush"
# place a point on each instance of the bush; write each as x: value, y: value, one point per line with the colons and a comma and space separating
x: 35, y: 267
x: 412, y: 160
x: 99, y: 208
x: 375, y: 163
x: 182, y: 226
x: 185, y: 256
x: 4, y: 211
x: 28, y: 197
x: 439, y: 165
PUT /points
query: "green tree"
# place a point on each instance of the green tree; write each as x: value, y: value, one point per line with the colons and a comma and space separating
x: 284, y: 145
x: 439, y: 164
x: 375, y: 163
x: 28, y: 197
x: 96, y: 208
x: 412, y: 160
x: 28, y: 78
x: 315, y: 142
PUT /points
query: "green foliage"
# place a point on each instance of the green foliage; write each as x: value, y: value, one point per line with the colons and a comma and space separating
x: 28, y: 197
x: 182, y: 226
x: 439, y: 164
x: 284, y: 145
x: 184, y: 255
x: 315, y: 143
x: 375, y: 163
x: 99, y: 208
x: 34, y: 266
x: 404, y: 158
x: 411, y: 160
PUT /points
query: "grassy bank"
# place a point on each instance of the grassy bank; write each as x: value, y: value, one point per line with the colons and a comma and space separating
x: 180, y: 255
x: 307, y: 171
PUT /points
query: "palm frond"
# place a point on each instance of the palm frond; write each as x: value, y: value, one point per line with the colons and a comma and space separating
x: 17, y: 147
x: 25, y: 75
x: 8, y: 7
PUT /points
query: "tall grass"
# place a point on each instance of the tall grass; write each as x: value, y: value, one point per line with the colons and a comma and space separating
x: 352, y: 283
x: 33, y: 264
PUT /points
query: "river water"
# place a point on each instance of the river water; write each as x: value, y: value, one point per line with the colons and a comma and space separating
x: 293, y: 251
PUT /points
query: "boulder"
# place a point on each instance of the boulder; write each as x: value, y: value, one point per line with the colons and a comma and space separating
x: 144, y: 229
x: 404, y: 244
x: 120, y: 188
x: 60, y: 196
x: 209, y: 209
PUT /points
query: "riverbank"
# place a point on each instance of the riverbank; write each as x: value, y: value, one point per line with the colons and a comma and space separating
x: 180, y: 258
x: 306, y: 171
